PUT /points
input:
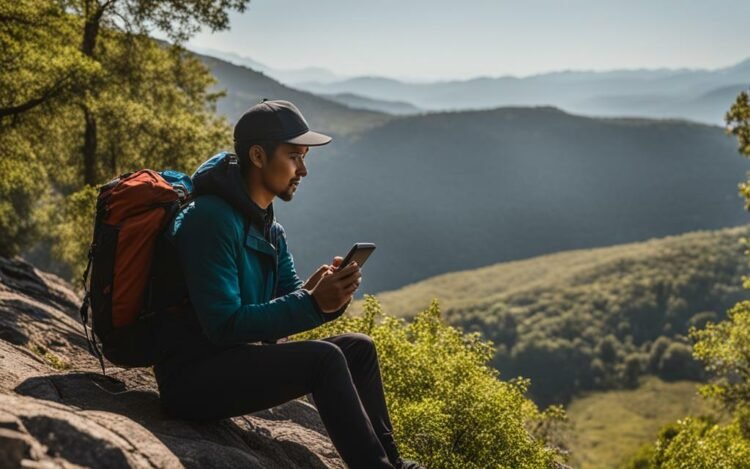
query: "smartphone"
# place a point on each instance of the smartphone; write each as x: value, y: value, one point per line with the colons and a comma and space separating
x: 359, y: 253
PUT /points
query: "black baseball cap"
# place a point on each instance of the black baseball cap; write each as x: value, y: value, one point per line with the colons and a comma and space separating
x: 276, y: 120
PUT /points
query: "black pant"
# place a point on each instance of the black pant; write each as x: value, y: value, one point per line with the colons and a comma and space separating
x: 341, y: 372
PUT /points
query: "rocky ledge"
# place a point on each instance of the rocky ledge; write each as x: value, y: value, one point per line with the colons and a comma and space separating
x: 58, y: 410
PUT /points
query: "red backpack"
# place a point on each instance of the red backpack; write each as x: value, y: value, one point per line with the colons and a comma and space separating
x: 132, y: 210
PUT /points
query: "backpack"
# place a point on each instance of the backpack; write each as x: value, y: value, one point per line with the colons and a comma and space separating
x: 129, y: 257
x: 132, y: 211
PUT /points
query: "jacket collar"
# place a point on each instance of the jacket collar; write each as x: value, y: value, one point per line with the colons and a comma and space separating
x: 261, y: 218
x: 220, y: 175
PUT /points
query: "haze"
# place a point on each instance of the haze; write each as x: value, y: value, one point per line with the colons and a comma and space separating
x: 428, y: 40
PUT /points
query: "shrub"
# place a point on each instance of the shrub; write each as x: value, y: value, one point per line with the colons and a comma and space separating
x: 447, y: 406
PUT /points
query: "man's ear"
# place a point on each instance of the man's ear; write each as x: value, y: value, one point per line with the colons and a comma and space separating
x: 257, y: 156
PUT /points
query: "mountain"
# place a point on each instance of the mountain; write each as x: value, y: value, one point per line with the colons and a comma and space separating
x: 290, y: 76
x: 246, y: 87
x: 639, y: 93
x: 450, y: 191
x: 591, y: 319
x: 477, y: 187
x: 361, y: 102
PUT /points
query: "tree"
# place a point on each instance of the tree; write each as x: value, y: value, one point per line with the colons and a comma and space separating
x: 724, y: 348
x: 39, y: 70
x: 39, y: 60
x: 114, y: 33
x: 86, y: 95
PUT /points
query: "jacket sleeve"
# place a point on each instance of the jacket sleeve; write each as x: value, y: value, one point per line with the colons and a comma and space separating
x: 210, y: 243
x: 289, y: 281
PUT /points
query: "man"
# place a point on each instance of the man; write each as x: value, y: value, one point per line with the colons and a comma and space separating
x: 221, y: 354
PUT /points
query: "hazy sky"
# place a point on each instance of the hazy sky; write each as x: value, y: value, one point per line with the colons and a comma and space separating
x: 438, y: 40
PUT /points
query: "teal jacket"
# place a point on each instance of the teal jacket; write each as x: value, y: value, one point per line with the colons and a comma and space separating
x: 240, y: 287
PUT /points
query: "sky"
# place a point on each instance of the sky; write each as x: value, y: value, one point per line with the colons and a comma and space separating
x: 435, y: 40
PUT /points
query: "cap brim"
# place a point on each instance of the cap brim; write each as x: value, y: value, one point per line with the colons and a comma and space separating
x: 310, y: 139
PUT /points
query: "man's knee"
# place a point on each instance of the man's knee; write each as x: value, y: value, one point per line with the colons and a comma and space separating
x: 362, y: 341
x: 329, y: 352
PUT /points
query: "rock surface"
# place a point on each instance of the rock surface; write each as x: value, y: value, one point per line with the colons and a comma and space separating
x: 58, y: 410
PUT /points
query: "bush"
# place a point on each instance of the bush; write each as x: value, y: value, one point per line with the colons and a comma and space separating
x: 72, y: 228
x: 21, y: 185
x: 700, y: 443
x: 447, y: 406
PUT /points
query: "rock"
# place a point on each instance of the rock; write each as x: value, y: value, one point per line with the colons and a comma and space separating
x: 57, y: 410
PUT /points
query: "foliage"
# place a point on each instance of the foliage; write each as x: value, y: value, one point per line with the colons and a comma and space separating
x: 738, y: 124
x: 86, y: 94
x: 37, y: 68
x: 155, y: 111
x: 724, y: 348
x: 594, y: 319
x: 40, y: 60
x: 21, y: 184
x: 448, y: 408
x: 72, y: 224
x: 701, y: 443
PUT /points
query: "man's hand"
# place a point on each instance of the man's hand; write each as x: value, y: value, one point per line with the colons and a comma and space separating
x: 336, y: 288
x: 324, y: 269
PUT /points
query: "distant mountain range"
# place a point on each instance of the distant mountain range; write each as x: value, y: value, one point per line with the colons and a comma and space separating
x: 700, y: 95
x: 695, y: 94
x: 288, y: 76
x: 446, y: 191
x: 360, y: 102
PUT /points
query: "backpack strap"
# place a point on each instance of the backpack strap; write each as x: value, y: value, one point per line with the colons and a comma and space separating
x: 86, y: 307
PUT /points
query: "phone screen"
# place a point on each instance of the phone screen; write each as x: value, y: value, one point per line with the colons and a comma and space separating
x: 358, y: 253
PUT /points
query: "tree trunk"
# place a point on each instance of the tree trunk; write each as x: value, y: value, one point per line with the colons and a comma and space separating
x: 88, y: 47
x: 91, y: 29
x: 89, y: 148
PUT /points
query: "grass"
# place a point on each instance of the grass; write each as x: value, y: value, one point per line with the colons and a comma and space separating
x: 53, y: 360
x: 607, y: 427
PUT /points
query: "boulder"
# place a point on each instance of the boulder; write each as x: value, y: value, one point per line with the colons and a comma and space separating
x: 58, y: 410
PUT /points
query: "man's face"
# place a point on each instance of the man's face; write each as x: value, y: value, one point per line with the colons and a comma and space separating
x: 285, y: 169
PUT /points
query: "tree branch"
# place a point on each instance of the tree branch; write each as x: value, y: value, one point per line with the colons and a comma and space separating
x: 34, y: 102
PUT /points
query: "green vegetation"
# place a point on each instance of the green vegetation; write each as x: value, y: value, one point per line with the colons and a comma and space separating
x: 52, y: 360
x: 448, y: 408
x: 704, y: 442
x: 592, y: 319
x: 475, y: 188
x: 86, y: 94
x: 724, y: 349
x: 604, y: 426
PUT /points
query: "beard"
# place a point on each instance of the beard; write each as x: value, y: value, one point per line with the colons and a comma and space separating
x: 287, y: 194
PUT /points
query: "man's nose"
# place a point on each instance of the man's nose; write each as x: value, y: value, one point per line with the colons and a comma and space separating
x: 302, y: 169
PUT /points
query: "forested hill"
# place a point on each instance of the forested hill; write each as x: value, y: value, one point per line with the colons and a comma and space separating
x: 591, y: 319
x: 479, y: 187
x: 453, y: 191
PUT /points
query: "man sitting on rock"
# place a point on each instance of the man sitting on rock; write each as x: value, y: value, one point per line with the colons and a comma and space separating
x: 224, y: 351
